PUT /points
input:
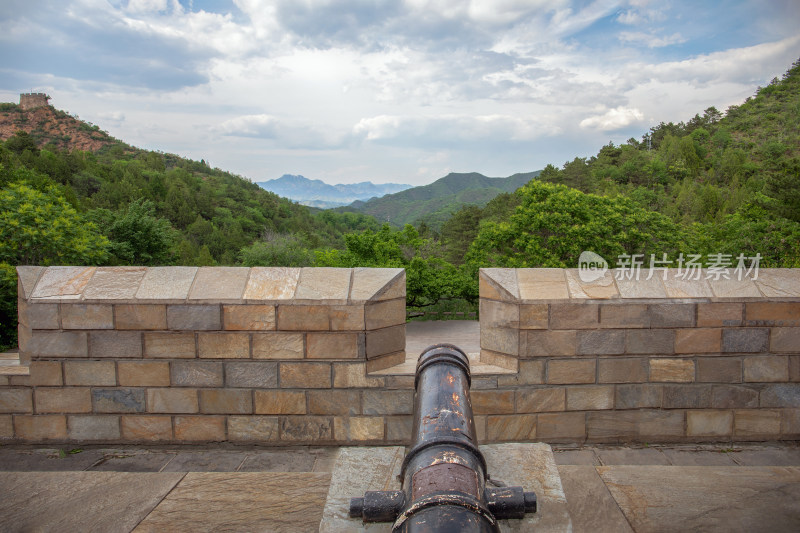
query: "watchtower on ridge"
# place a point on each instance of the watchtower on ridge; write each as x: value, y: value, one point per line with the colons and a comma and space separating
x: 32, y: 100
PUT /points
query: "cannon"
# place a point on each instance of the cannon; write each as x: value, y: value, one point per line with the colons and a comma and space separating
x: 444, y: 473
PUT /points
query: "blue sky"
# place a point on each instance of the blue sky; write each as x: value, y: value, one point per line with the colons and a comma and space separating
x: 390, y: 90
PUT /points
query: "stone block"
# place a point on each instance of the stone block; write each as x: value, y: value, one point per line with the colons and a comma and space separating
x: 687, y: 397
x: 541, y: 400
x: 601, y: 342
x: 568, y: 372
x: 39, y: 316
x: 733, y: 397
x: 778, y: 282
x: 780, y: 395
x: 45, y: 344
x: 719, y: 369
x: 45, y: 373
x: 385, y: 341
x: 118, y: 400
x: 624, y: 316
x: 257, y: 374
x: 772, y: 313
x: 480, y: 427
x: 671, y: 315
x: 93, y: 427
x: 382, y: 362
x: 305, y: 375
x: 16, y: 400
x: 639, y: 396
x: 172, y: 401
x: 487, y: 402
x: 590, y: 398
x: 639, y: 288
x: 19, y: 380
x: 400, y: 382
x: 63, y: 282
x: 60, y: 400
x: 534, y: 316
x: 549, y: 343
x: 226, y: 401
x: 253, y: 428
x: 278, y: 402
x: 354, y: 375
x: 698, y: 340
x: 143, y: 373
x: 219, y: 284
x: 498, y: 284
x: 166, y: 283
x: 719, y: 314
x: 200, y: 428
x: 790, y: 423
x: 146, y: 428
x: 351, y: 317
x: 502, y: 340
x: 271, y: 283
x: 223, y: 345
x: 378, y: 284
x: 380, y: 315
x: 39, y: 428
x: 711, y: 423
x: 115, y: 344
x: 306, y: 429
x: 785, y: 340
x: 794, y: 368
x: 734, y: 288
x: 487, y: 357
x: 531, y: 372
x: 169, y: 345
x: 194, y: 317
x: 687, y: 284
x: 622, y: 370
x: 561, y: 426
x: 542, y: 284
x: 399, y: 428
x: 114, y: 283
x: 27, y: 276
x: 329, y: 284
x: 641, y: 426
x: 334, y: 402
x: 196, y: 374
x: 766, y: 368
x: 672, y: 370
x: 602, y: 288
x: 650, y: 341
x: 395, y: 402
x: 511, y: 428
x: 6, y: 427
x: 482, y: 383
x: 496, y: 314
x: 358, y: 428
x: 248, y: 317
x: 278, y: 345
x: 140, y: 316
x: 333, y: 346
x: 574, y: 316
x: 90, y: 373
x: 756, y: 423
x: 745, y: 340
x: 303, y: 318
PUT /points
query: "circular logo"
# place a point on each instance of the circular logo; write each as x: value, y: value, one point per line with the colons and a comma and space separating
x: 591, y: 266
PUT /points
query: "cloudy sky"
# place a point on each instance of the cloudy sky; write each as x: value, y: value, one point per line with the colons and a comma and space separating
x: 390, y: 90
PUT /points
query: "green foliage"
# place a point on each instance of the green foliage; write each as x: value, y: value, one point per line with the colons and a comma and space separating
x: 8, y: 306
x: 277, y: 250
x: 138, y: 237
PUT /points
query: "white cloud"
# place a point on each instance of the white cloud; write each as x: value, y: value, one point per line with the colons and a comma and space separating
x: 146, y: 6
x: 613, y: 119
x: 650, y: 40
x: 289, y: 134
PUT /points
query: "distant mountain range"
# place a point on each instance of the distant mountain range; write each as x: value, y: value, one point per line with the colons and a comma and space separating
x: 316, y: 193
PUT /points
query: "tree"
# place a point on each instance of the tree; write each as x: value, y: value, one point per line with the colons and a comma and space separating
x: 138, y: 237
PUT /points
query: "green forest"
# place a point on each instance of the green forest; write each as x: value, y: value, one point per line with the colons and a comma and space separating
x: 721, y: 183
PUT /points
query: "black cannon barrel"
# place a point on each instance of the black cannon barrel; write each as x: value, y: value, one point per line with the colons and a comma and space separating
x: 444, y: 473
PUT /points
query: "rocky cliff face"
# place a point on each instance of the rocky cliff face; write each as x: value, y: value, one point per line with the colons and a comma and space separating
x: 49, y: 125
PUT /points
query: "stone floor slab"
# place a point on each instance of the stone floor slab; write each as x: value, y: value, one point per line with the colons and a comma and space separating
x: 205, y: 461
x: 585, y: 457
x: 590, y: 504
x: 278, y: 502
x: 279, y: 461
x: 80, y: 501
x: 133, y: 461
x: 766, y: 456
x: 631, y: 456
x: 698, y: 457
x: 47, y: 460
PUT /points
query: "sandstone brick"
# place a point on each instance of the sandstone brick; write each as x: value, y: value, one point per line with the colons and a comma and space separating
x: 86, y: 316
x: 719, y: 314
x: 118, y: 400
x: 88, y: 373
x: 533, y: 283
x: 194, y: 317
x: 172, y: 401
x: 780, y: 395
x: 772, y: 313
x: 501, y: 284
x: 672, y: 370
x: 271, y: 283
x: 114, y: 283
x: 376, y: 284
x: 561, y: 426
x: 223, y: 345
x: 253, y: 428
x: 747, y: 340
x: 382, y: 362
x: 650, y: 341
x: 169, y: 345
x: 549, y: 343
x: 277, y: 402
x: 590, y: 398
x: 531, y: 372
x: 496, y: 314
x: 226, y: 401
x: 196, y: 374
x: 602, y: 288
x: 541, y: 400
x: 502, y: 340
x: 6, y: 427
x: 116, y: 344
x: 45, y: 373
x: 670, y: 315
x: 146, y: 428
x: 19, y: 380
x: 334, y: 402
x: 93, y: 427
x: 40, y: 316
x: 220, y: 284
x: 794, y: 368
x: 143, y: 373
x: 785, y: 340
x: 639, y: 396
x: 639, y: 425
x: 140, y: 316
x: 766, y: 368
x: 699, y: 340
x: 44, y: 344
x: 257, y: 374
x: 489, y: 402
x: 514, y: 428
x: 330, y: 284
x: 249, y: 317
x: 480, y: 427
x: 381, y: 315
x: 574, y: 316
x: 487, y: 357
x: 63, y: 282
x: 790, y: 423
x: 166, y: 283
x: 483, y: 383
x: 571, y: 372
x: 333, y: 346
x: 710, y: 423
x: 278, y: 346
x: 354, y: 375
x: 756, y: 423
x: 38, y: 428
x: 624, y: 316
x: 200, y: 428
x: 733, y: 396
x: 385, y: 341
x: 719, y: 369
x: 306, y: 429
x: 63, y: 400
x: 400, y: 382
x: 534, y: 316
x: 382, y: 402
x: 351, y: 317
x: 686, y: 396
x: 398, y: 429
x: 622, y: 370
x: 303, y: 318
x: 601, y: 342
x: 305, y: 375
x: 16, y: 401
x: 358, y: 428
